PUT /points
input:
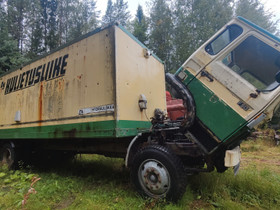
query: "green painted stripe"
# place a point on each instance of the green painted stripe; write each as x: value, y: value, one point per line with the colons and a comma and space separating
x: 103, y: 129
x: 132, y: 128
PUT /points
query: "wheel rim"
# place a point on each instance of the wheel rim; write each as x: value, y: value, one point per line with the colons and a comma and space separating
x: 7, y: 157
x: 154, y: 178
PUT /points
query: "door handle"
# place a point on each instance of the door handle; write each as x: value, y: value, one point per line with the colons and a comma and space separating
x: 254, y: 95
x: 206, y: 74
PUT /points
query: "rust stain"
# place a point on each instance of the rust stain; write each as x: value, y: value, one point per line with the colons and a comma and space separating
x: 40, y: 105
x: 80, y: 76
x: 60, y: 85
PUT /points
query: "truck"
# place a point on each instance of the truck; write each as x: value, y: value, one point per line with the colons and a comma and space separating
x: 105, y: 93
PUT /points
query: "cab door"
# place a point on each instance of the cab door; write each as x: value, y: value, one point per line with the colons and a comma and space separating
x: 248, y: 70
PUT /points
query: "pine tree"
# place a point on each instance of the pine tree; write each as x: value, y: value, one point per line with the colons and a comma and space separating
x: 52, y: 25
x: 116, y: 12
x: 64, y: 11
x: 254, y: 10
x: 10, y: 57
x: 34, y: 31
x: 83, y: 19
x: 195, y: 22
x: 44, y: 20
x: 109, y: 16
x: 140, y: 25
x: 183, y: 39
x: 161, y: 31
x: 16, y: 14
x: 122, y: 14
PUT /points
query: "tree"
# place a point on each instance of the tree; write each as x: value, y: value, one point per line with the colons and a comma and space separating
x: 10, y: 57
x: 35, y: 30
x: 122, y: 14
x: 83, y: 19
x: 52, y: 25
x: 44, y: 19
x: 116, y: 12
x: 109, y: 14
x: 140, y: 25
x: 16, y: 14
x: 195, y: 22
x: 64, y: 8
x: 254, y: 10
x: 161, y: 30
x: 183, y: 42
x: 208, y: 17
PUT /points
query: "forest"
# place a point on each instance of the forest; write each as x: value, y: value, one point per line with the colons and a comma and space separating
x: 172, y: 29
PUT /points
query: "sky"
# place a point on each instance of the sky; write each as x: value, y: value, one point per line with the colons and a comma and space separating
x: 132, y: 5
x: 271, y: 5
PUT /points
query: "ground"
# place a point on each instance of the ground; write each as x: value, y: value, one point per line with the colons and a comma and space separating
x: 96, y: 182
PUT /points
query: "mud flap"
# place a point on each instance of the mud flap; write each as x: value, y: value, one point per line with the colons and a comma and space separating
x: 236, y: 169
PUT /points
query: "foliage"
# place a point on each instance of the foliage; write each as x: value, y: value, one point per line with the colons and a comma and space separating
x: 9, y: 52
x: 254, y: 10
x: 116, y: 12
x: 140, y: 25
x: 83, y: 19
x: 161, y: 30
x: 195, y: 22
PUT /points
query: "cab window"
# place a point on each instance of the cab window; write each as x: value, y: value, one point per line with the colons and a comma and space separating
x: 256, y: 62
x: 223, y: 39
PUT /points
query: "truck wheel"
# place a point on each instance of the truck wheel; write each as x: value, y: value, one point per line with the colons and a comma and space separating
x: 158, y: 173
x: 7, y: 156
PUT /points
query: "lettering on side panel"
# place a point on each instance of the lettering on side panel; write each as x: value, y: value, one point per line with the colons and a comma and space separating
x: 45, y: 72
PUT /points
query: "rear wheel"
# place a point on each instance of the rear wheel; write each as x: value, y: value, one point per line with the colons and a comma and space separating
x: 7, y: 156
x: 156, y: 172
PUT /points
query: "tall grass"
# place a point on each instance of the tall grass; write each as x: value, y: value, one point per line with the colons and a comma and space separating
x: 96, y: 182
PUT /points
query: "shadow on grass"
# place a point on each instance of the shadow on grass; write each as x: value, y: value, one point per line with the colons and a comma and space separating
x: 90, y: 169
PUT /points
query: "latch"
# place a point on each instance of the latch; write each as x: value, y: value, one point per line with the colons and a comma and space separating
x: 206, y: 74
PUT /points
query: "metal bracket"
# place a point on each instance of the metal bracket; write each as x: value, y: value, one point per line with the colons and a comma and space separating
x: 129, y: 147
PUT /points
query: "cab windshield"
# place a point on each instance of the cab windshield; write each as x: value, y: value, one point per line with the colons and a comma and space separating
x: 256, y: 62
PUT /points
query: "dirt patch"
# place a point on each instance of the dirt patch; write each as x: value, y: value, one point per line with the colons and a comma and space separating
x: 65, y: 203
x: 200, y: 204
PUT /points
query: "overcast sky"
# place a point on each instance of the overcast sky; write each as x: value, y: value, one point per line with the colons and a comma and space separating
x: 132, y: 4
x: 272, y: 5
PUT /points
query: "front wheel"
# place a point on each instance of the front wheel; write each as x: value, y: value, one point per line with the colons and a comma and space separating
x: 158, y: 173
x: 7, y: 155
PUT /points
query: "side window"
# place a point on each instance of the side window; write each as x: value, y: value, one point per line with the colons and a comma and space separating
x: 223, y: 39
x: 256, y: 62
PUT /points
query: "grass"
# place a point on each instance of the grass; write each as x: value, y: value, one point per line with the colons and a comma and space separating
x: 96, y: 182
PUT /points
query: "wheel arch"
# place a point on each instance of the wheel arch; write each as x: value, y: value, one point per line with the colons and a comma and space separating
x: 135, y: 143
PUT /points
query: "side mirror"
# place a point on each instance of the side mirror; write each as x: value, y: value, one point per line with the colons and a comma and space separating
x: 277, y: 77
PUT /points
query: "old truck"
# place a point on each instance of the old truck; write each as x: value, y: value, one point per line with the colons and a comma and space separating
x: 105, y: 93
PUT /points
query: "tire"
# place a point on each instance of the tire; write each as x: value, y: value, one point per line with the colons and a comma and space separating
x: 7, y: 156
x: 158, y: 173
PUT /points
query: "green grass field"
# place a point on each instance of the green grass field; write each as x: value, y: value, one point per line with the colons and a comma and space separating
x: 96, y: 182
